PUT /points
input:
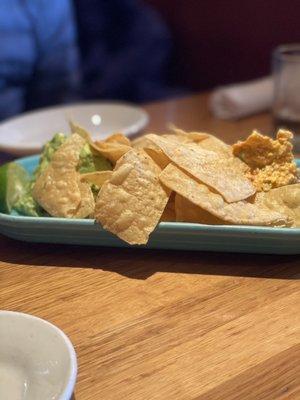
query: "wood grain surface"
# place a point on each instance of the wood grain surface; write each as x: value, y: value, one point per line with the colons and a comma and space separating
x: 167, y: 325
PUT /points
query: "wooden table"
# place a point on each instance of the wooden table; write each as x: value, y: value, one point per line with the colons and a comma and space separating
x: 162, y: 324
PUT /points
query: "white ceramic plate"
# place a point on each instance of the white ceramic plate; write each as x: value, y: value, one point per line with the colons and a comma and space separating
x: 27, y: 133
x: 37, y: 360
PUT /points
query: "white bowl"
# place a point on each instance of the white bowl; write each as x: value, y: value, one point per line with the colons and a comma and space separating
x: 27, y: 133
x: 37, y: 360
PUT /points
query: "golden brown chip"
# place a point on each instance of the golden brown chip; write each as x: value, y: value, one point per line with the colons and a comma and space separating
x: 111, y: 148
x: 221, y: 173
x: 158, y: 156
x: 285, y: 199
x: 214, y: 144
x: 218, y: 146
x: 111, y: 151
x: 208, y: 142
x: 186, y: 211
x: 97, y: 178
x: 87, y: 203
x: 169, y: 214
x: 118, y: 138
x: 241, y: 212
x: 132, y: 202
x: 142, y: 143
x: 271, y: 161
x: 84, y: 134
x: 187, y: 137
x: 58, y: 189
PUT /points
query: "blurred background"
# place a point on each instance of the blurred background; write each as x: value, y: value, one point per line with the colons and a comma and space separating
x: 61, y: 51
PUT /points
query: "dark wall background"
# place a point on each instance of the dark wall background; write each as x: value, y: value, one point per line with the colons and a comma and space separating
x: 222, y: 41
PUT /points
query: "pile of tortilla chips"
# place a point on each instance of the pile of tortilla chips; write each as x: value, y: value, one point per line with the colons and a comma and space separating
x: 182, y: 176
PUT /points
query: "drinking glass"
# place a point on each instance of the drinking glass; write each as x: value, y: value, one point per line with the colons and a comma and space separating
x: 286, y: 73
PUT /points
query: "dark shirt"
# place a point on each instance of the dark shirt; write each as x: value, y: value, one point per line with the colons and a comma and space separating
x: 125, y: 48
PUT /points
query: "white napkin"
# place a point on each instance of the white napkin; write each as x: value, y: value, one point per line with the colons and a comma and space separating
x: 242, y: 99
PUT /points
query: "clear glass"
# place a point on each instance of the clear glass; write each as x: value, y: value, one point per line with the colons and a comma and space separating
x: 286, y: 73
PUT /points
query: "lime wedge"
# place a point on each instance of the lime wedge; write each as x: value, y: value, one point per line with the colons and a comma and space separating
x: 13, y: 183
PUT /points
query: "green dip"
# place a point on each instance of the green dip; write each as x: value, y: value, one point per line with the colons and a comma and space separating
x: 26, y: 205
x: 89, y: 162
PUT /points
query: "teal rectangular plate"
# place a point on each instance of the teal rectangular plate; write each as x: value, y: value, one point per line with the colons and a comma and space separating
x: 167, y: 235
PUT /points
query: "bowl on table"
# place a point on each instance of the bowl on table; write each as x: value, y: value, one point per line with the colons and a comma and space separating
x: 27, y: 133
x: 37, y: 360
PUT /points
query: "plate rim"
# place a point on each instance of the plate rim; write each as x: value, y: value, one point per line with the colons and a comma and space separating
x: 12, y: 220
x: 130, y: 130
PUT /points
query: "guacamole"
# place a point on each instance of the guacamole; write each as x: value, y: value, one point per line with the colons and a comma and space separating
x: 89, y: 162
x: 26, y: 205
x: 48, y: 151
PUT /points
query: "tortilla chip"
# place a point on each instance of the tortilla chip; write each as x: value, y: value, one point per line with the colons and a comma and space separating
x: 87, y: 203
x: 186, y: 211
x: 141, y: 142
x: 97, y: 178
x: 187, y: 137
x: 118, y: 138
x: 169, y: 214
x: 241, y: 212
x: 285, y: 199
x: 152, y: 150
x: 220, y: 173
x: 112, y: 151
x: 208, y: 142
x: 214, y: 144
x: 132, y: 202
x: 84, y: 134
x: 158, y: 157
x: 58, y: 188
x: 80, y: 131
x: 271, y: 161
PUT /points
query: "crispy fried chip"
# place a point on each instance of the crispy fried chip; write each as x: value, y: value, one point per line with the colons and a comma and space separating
x: 58, y: 189
x: 218, y: 146
x: 141, y: 142
x: 118, y: 138
x: 186, y: 211
x: 112, y: 151
x: 187, y: 137
x: 84, y: 134
x: 131, y: 204
x: 152, y: 150
x: 80, y: 131
x: 271, y: 161
x: 214, y: 144
x: 209, y: 142
x: 240, y: 212
x: 158, y: 156
x: 111, y: 148
x: 96, y: 178
x: 285, y: 199
x: 220, y: 173
x: 169, y: 214
x: 87, y: 203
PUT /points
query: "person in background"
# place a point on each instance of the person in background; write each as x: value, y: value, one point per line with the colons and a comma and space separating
x: 124, y: 53
x: 125, y: 48
x: 39, y: 63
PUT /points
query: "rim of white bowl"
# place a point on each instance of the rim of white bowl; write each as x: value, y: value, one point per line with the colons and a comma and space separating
x: 30, y: 148
x: 70, y: 385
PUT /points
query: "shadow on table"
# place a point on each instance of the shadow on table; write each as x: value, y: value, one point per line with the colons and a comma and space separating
x: 142, y: 263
